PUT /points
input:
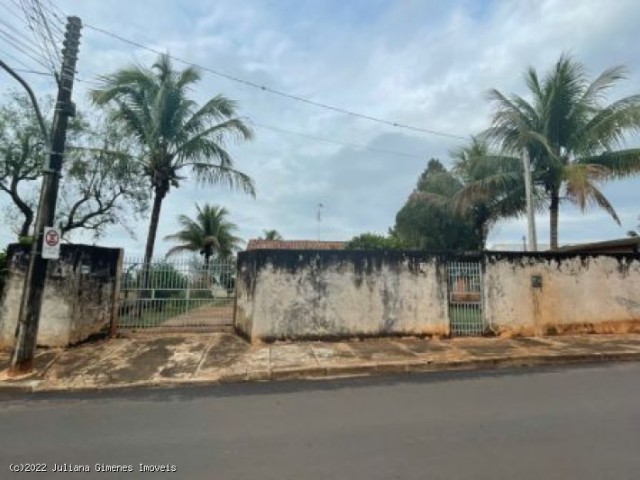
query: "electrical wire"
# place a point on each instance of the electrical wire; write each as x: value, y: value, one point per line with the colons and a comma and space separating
x: 46, y: 34
x: 49, y: 10
x: 335, y: 142
x: 26, y: 66
x: 45, y: 23
x: 34, y: 24
x: 278, y: 92
x: 24, y: 48
x: 34, y: 72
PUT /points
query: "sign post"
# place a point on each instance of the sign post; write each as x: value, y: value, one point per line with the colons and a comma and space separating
x: 51, y: 244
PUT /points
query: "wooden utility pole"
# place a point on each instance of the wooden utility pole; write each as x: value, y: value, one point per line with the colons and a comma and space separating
x: 531, y: 221
x: 30, y: 306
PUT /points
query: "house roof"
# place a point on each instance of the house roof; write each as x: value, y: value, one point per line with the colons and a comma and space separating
x: 294, y: 245
x: 630, y: 244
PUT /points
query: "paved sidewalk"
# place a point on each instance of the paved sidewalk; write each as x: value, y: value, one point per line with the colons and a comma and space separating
x: 180, y: 358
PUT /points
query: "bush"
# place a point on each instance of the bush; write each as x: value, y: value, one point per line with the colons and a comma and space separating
x: 372, y: 241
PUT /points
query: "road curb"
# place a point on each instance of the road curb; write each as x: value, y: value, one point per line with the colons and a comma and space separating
x: 19, y: 386
x: 414, y: 366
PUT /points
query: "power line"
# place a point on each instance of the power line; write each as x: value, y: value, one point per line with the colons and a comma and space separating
x: 34, y: 46
x: 39, y: 11
x: 40, y: 50
x: 20, y: 62
x: 336, y: 142
x: 34, y: 72
x: 38, y: 25
x: 24, y: 48
x: 264, y: 88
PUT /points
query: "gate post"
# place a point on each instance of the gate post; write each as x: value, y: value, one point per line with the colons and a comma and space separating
x: 115, y: 297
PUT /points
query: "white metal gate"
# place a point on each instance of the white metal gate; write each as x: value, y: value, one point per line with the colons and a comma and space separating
x: 466, y: 312
x: 181, y: 293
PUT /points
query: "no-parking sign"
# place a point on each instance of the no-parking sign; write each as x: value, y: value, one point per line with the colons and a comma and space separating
x: 51, y: 244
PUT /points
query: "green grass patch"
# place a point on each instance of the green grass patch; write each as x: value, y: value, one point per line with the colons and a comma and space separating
x: 155, y: 312
x: 466, y: 318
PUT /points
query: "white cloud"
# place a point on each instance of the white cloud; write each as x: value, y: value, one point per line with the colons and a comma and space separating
x: 425, y: 63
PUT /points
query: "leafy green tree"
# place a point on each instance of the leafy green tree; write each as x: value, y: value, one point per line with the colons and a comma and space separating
x: 100, y: 185
x: 427, y: 220
x: 271, y: 235
x: 21, y: 155
x: 211, y: 233
x: 572, y: 135
x: 173, y: 132
x: 373, y: 241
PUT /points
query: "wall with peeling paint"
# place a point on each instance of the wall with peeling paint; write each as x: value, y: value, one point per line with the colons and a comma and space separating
x: 78, y: 297
x: 321, y: 294
x: 336, y: 294
x: 589, y: 292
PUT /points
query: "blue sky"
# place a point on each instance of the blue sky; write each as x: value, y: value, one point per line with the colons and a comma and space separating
x: 418, y: 62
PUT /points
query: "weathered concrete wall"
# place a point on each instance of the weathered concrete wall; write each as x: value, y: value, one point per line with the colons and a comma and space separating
x: 78, y: 296
x: 578, y: 293
x: 321, y: 294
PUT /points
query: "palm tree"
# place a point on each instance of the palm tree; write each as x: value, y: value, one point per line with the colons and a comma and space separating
x: 463, y: 190
x: 573, y: 137
x: 271, y: 235
x: 209, y: 234
x: 480, y: 169
x: 173, y: 132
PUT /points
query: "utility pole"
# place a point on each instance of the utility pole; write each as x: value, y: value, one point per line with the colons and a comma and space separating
x: 30, y: 306
x: 531, y: 222
x: 319, y: 218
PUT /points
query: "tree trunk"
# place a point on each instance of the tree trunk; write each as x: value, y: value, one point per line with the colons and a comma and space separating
x: 145, y: 294
x: 26, y: 225
x: 25, y: 209
x: 554, y: 210
x: 158, y: 197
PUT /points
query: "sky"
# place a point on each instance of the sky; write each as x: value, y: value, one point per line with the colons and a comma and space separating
x: 422, y: 63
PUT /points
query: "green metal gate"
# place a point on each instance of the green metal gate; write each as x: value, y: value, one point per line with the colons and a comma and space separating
x: 180, y: 293
x: 466, y: 299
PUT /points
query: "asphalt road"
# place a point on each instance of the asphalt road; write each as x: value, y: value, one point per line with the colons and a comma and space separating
x: 565, y: 423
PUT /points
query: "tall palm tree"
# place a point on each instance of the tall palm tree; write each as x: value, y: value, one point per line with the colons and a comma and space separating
x: 271, y: 235
x: 175, y: 134
x: 209, y: 234
x: 573, y: 137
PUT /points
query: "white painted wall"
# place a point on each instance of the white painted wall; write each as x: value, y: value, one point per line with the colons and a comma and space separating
x: 598, y: 290
x: 75, y: 305
x: 281, y: 296
x: 338, y: 299
x: 51, y: 332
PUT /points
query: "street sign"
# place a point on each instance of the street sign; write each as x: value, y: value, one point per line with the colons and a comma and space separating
x: 51, y: 243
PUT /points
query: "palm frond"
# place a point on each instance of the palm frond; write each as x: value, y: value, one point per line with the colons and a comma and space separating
x: 179, y: 249
x: 620, y: 164
x: 435, y: 199
x: 608, y: 127
x: 603, y: 83
x: 582, y: 188
x: 210, y: 174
